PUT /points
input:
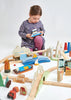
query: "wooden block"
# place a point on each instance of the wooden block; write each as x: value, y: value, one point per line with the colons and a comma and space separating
x: 60, y: 75
x: 23, y: 90
x: 68, y: 72
x: 1, y: 68
x: 21, y: 76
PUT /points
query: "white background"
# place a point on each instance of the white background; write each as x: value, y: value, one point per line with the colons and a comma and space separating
x: 57, y: 22
x: 56, y: 19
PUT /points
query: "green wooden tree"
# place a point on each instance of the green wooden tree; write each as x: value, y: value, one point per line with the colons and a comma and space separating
x: 1, y: 81
x: 7, y: 79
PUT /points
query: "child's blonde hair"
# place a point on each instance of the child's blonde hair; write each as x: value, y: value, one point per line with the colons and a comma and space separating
x: 35, y: 10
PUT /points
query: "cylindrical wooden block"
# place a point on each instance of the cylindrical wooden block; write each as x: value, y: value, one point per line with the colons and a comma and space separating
x: 65, y: 46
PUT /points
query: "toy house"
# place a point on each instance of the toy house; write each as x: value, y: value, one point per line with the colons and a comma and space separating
x: 63, y: 66
x: 23, y: 90
x: 68, y: 67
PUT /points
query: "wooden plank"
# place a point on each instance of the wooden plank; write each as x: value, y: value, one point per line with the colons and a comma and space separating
x: 35, y: 87
x: 57, y: 84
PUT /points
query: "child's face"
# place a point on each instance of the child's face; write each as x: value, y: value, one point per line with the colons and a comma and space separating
x: 34, y: 18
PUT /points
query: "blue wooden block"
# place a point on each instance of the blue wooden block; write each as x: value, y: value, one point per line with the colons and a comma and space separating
x: 30, y: 60
x: 35, y: 34
x: 23, y: 56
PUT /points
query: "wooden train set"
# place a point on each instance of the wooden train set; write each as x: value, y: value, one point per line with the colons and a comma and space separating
x: 40, y: 78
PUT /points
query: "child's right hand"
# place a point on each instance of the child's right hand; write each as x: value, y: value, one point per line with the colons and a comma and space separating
x: 29, y: 36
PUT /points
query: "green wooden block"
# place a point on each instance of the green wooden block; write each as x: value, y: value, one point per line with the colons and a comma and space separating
x: 1, y: 81
x: 7, y: 79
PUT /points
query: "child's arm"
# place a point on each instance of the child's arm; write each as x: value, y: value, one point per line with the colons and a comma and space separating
x: 29, y: 36
x: 23, y: 34
x: 42, y: 33
x: 21, y: 31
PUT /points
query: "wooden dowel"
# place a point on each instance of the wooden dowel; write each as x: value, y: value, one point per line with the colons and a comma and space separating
x: 36, y: 52
x: 57, y: 84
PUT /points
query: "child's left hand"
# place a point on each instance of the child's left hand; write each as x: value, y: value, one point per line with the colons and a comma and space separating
x: 41, y: 33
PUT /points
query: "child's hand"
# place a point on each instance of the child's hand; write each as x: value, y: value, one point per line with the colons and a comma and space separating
x: 29, y: 36
x: 41, y: 33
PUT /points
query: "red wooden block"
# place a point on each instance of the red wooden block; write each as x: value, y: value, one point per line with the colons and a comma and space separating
x: 16, y: 89
x: 12, y: 94
x: 65, y: 46
x: 14, y: 64
x: 70, y: 54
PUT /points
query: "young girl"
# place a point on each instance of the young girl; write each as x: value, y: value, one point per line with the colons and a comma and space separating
x: 27, y: 27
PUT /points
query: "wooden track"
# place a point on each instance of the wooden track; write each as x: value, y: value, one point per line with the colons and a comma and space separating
x: 35, y: 87
x: 64, y: 55
x: 36, y: 83
x: 1, y: 68
x: 68, y: 99
x: 1, y: 61
x: 45, y: 82
x: 57, y: 84
x: 34, y: 90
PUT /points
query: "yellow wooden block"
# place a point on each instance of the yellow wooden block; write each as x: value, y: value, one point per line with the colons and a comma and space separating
x: 26, y: 67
